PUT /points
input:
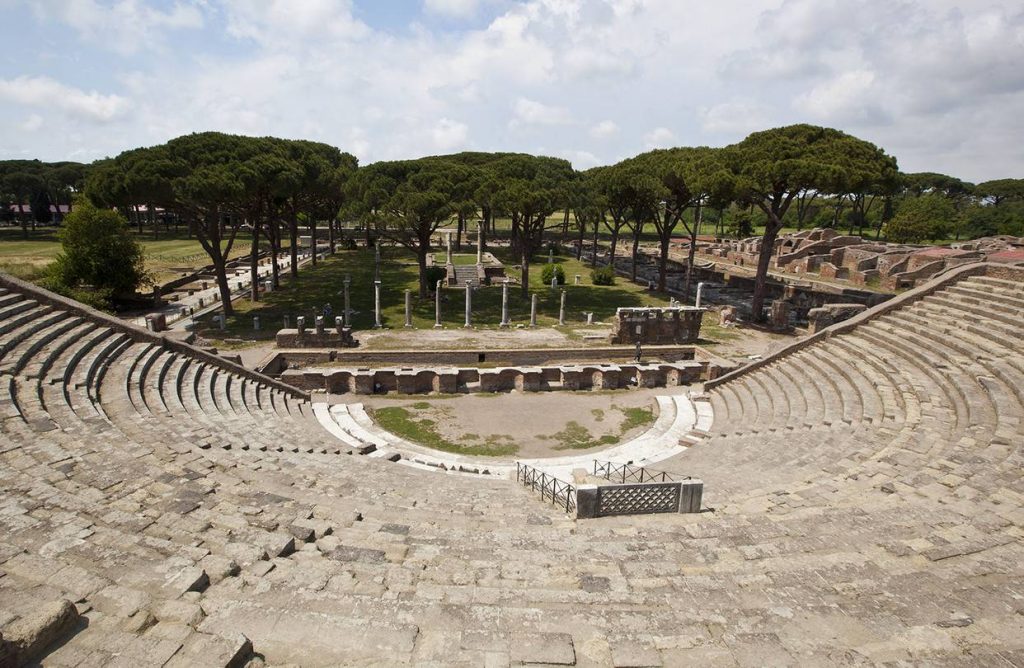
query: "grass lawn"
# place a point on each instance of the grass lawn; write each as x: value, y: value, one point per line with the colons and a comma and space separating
x: 166, y: 257
x: 316, y: 287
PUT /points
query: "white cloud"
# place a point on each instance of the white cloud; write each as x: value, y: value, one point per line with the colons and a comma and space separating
x: 32, y: 123
x: 45, y: 92
x: 449, y: 135
x: 604, y: 129
x: 531, y: 112
x: 580, y: 159
x: 846, y: 98
x: 454, y: 8
x: 276, y: 22
x: 659, y: 138
x: 735, y: 119
x: 124, y: 26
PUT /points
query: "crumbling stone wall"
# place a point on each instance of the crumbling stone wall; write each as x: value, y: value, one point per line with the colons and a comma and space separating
x: 654, y: 325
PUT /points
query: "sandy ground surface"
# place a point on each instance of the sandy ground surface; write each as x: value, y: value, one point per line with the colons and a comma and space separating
x: 530, y: 420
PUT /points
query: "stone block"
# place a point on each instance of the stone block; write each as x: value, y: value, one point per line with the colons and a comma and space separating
x: 26, y: 637
x: 190, y: 578
x: 555, y: 649
x: 587, y: 501
x: 690, y: 496
x: 218, y: 567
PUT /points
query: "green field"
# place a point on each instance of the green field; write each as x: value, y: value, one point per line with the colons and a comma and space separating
x: 316, y: 287
x: 166, y: 257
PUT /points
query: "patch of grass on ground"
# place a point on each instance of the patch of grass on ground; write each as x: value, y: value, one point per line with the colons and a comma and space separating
x: 635, y: 417
x: 403, y: 421
x: 577, y: 437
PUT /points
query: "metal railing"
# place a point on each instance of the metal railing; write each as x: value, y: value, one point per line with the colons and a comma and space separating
x: 624, y: 473
x: 560, y: 493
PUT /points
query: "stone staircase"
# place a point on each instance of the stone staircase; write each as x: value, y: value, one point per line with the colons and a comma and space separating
x: 465, y: 273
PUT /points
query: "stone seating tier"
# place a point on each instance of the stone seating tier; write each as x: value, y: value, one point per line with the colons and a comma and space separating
x: 867, y: 495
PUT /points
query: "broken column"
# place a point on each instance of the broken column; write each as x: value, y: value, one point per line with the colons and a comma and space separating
x: 408, y: 308
x: 469, y: 305
x: 348, y: 311
x: 533, y: 310
x: 561, y: 309
x: 376, y: 305
x: 437, y: 298
x: 504, y: 304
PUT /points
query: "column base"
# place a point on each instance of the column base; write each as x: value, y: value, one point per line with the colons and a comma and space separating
x: 438, y: 326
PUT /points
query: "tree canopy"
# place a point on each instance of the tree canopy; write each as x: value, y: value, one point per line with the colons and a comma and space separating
x: 771, y: 168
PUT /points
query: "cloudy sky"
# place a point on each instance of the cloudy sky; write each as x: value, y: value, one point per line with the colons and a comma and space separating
x: 937, y: 83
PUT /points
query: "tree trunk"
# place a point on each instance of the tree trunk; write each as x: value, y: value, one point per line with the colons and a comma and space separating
x: 275, y: 249
x: 312, y: 239
x: 663, y: 242
x: 524, y: 289
x: 593, y: 256
x: 330, y: 234
x: 691, y: 254
x: 579, y: 241
x: 220, y: 270
x: 459, y: 228
x: 293, y: 238
x: 771, y: 233
x: 24, y: 221
x: 611, y: 249
x: 635, y: 250
x: 254, y: 274
x: 421, y: 260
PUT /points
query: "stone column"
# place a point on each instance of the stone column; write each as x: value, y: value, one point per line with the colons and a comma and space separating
x: 448, y: 247
x: 479, y: 245
x: 408, y: 308
x: 347, y: 313
x: 561, y: 309
x: 376, y: 305
x: 551, y: 256
x: 437, y: 304
x: 318, y: 324
x: 469, y: 305
x: 700, y: 293
x: 533, y: 310
x: 504, y: 304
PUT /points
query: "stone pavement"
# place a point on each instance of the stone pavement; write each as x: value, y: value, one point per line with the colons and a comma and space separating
x: 865, y: 498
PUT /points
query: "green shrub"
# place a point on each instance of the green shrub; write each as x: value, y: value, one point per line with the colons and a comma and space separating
x: 98, y: 255
x: 553, y: 271
x: 602, y: 276
x: 435, y: 274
